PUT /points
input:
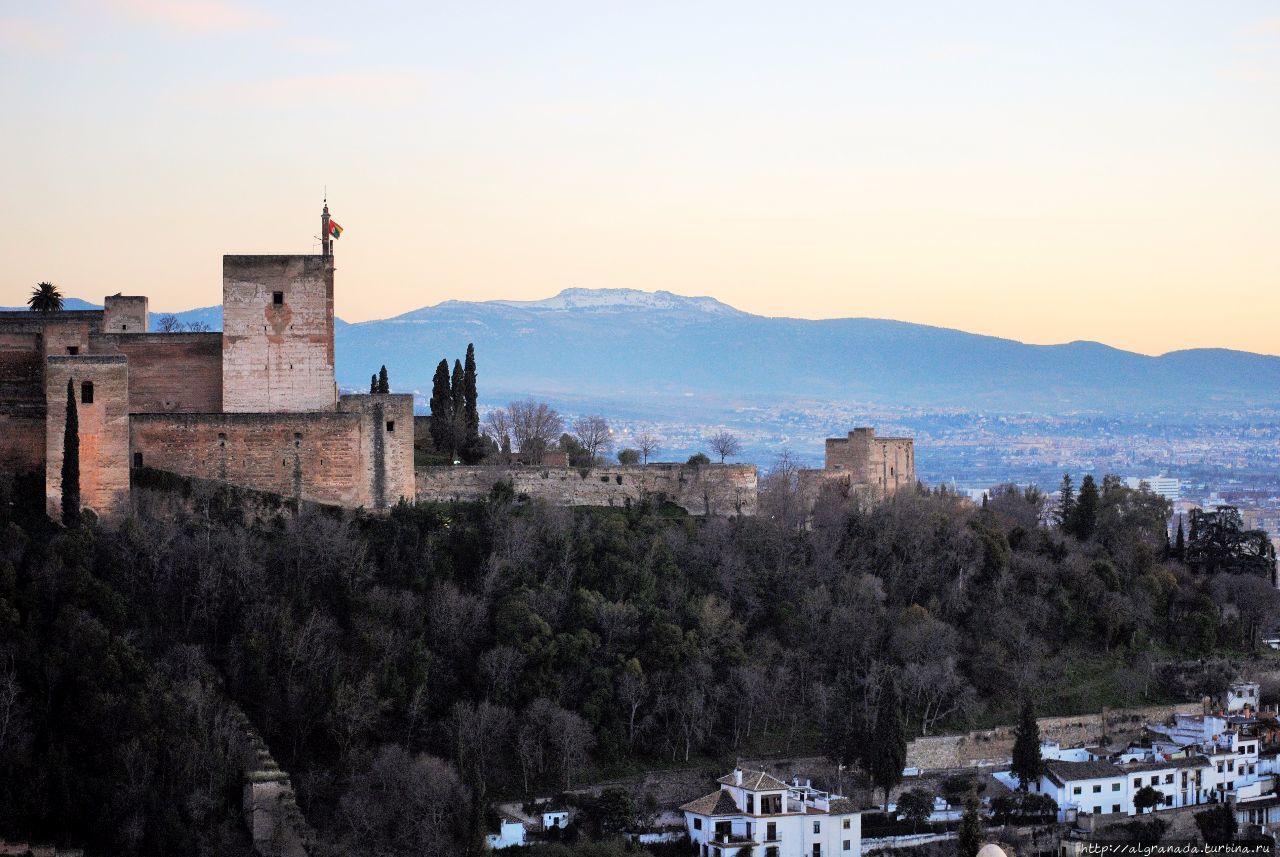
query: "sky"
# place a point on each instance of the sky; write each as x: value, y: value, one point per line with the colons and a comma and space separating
x: 1041, y: 171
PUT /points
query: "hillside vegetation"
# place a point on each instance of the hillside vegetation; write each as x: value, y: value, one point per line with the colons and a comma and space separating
x: 409, y: 669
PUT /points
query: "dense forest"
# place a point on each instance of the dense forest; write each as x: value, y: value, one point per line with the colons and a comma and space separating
x: 409, y: 669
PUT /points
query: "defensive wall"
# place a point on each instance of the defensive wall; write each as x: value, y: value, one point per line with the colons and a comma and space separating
x: 100, y: 385
x: 168, y: 372
x: 711, y: 489
x: 346, y: 457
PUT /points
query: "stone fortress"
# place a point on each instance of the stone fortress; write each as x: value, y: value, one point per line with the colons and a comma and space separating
x: 257, y: 406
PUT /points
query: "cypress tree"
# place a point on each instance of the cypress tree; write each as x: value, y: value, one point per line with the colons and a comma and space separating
x: 71, y: 461
x: 442, y: 409
x: 971, y: 829
x: 373, y: 383
x: 469, y: 394
x: 1026, y: 748
x: 888, y: 751
x: 1180, y: 544
x: 1086, y: 515
x: 457, y: 395
x: 1066, y: 504
x: 384, y: 385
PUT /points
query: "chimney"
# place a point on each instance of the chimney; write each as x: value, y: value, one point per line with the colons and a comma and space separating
x: 737, y: 776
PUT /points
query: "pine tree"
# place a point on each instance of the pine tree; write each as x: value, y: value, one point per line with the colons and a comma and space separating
x: 373, y: 383
x: 469, y: 394
x: 1026, y: 748
x: 1180, y: 544
x: 384, y: 384
x: 1086, y: 514
x: 971, y: 829
x: 888, y: 751
x: 71, y: 461
x: 442, y: 410
x: 1066, y: 504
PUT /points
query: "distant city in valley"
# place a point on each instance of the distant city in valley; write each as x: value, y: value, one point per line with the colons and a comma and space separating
x: 983, y: 411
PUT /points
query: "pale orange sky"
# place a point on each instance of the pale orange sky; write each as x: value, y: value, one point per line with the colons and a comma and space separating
x: 1042, y: 172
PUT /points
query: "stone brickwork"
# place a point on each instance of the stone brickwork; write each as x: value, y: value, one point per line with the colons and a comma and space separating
x: 277, y: 340
x: 22, y: 409
x: 995, y: 746
x: 124, y: 314
x: 712, y: 489
x: 313, y: 457
x: 104, y: 431
x: 386, y: 446
x: 169, y: 372
x: 861, y: 465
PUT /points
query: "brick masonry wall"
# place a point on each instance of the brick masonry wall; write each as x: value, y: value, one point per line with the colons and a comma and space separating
x: 996, y: 745
x: 314, y: 457
x: 386, y: 446
x: 124, y: 314
x: 169, y: 372
x: 277, y: 358
x: 21, y: 403
x: 104, y: 432
x: 718, y: 489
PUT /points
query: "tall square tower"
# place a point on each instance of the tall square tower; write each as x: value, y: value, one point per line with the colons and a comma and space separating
x: 277, y: 334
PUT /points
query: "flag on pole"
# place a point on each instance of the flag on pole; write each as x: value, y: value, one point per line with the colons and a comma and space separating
x: 335, y: 231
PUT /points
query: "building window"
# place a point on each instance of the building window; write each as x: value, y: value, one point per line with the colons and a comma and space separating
x: 697, y: 824
x: 751, y: 799
x: 817, y: 827
x: 771, y: 851
x: 1075, y: 790
x: 73, y: 349
x: 277, y: 298
x: 1168, y: 778
x: 1097, y: 788
x: 1097, y: 810
x: 86, y: 393
x: 847, y: 845
x: 817, y: 850
x: 1137, y: 782
x: 1115, y: 807
x: 222, y: 440
x: 1115, y: 787
x: 297, y: 439
x: 846, y: 824
x: 137, y: 459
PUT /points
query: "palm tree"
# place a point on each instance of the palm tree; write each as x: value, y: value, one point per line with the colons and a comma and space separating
x: 45, y: 297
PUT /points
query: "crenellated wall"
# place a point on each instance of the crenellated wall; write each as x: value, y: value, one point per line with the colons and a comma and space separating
x: 104, y: 431
x: 716, y: 489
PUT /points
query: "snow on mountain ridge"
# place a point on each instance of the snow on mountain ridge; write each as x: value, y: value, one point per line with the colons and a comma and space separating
x: 578, y: 298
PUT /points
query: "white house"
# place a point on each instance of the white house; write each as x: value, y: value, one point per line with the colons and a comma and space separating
x: 1104, y: 788
x: 510, y: 833
x: 755, y: 813
x: 1241, y: 697
x: 554, y: 818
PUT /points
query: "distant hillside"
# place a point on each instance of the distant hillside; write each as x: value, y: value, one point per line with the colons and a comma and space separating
x: 660, y: 350
x: 624, y: 344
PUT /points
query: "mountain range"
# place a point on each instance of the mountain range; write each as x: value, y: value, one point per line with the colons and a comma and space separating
x: 658, y: 350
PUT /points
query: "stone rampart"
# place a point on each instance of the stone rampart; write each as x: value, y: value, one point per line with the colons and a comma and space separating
x: 169, y: 372
x: 715, y: 489
x: 100, y: 384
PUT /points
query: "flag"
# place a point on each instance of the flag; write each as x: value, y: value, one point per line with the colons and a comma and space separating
x: 335, y: 230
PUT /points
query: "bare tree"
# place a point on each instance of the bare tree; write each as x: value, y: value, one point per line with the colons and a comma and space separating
x: 725, y: 445
x: 535, y: 425
x: 648, y: 444
x: 497, y: 425
x: 593, y: 434
x: 169, y: 323
x: 198, y: 327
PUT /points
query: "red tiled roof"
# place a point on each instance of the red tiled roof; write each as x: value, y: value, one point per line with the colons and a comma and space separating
x: 717, y: 803
x: 755, y: 781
